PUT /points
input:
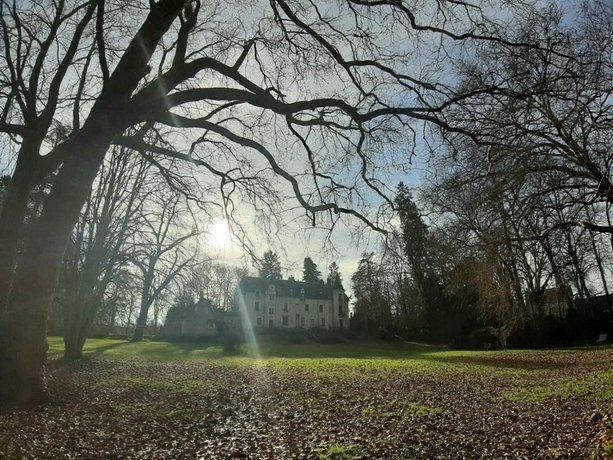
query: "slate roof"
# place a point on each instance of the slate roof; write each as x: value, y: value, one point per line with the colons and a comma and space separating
x: 288, y: 288
x: 597, y: 303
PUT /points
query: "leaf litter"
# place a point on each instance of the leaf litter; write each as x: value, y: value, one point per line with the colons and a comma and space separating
x: 495, y: 405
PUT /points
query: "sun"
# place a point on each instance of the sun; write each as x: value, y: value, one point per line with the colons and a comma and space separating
x: 219, y: 234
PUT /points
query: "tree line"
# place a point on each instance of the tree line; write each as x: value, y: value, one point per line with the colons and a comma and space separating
x: 522, y: 219
x: 270, y: 268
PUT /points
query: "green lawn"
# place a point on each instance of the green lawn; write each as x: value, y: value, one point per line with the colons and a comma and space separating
x: 166, y: 351
x: 356, y: 400
x: 365, y: 360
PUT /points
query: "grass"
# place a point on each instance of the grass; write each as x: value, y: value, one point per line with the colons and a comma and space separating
x: 331, y: 402
x: 148, y: 350
x: 354, y: 357
x: 597, y: 386
x: 339, y: 453
x: 165, y: 351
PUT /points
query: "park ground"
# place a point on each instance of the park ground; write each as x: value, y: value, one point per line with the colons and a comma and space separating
x: 155, y: 400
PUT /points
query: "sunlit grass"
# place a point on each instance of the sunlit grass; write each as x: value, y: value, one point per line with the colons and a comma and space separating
x: 339, y: 453
x: 148, y: 350
x: 361, y: 359
x: 597, y: 386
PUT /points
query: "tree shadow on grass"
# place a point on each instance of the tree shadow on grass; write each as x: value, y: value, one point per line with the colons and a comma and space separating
x: 534, y: 359
x: 367, y: 350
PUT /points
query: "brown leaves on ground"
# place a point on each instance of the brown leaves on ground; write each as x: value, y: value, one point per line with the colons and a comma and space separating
x: 221, y: 410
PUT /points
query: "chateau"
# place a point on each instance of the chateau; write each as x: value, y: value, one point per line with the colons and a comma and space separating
x: 290, y: 304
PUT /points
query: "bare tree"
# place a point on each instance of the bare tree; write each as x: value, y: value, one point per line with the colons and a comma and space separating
x: 551, y: 115
x: 160, y: 254
x: 213, y: 83
x: 99, y: 250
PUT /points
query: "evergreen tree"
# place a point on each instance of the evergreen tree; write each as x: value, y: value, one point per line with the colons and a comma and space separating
x: 334, y: 274
x: 417, y: 249
x: 371, y: 309
x: 270, y: 267
x: 310, y: 273
x: 414, y: 232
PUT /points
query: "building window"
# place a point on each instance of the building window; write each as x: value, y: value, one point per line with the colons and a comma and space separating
x: 312, y: 322
x: 271, y: 297
x: 271, y: 324
x: 340, y: 310
x: 286, y: 320
x: 306, y: 307
x: 257, y: 294
x: 340, y: 298
x: 285, y: 307
x: 302, y: 322
x: 340, y: 323
x: 321, y: 309
x: 323, y: 322
x: 271, y: 311
x: 257, y: 306
x: 259, y: 321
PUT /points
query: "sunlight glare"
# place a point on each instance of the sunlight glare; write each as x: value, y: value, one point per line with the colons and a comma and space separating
x: 252, y: 342
x: 219, y: 235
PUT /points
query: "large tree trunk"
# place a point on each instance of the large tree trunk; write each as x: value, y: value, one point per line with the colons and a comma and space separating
x: 23, y: 326
x: 601, y: 270
x: 81, y: 309
x: 78, y: 324
x: 23, y: 322
x: 145, y: 305
x: 141, y: 322
x: 14, y: 210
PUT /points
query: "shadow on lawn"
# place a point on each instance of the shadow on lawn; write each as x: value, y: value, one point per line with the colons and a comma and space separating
x: 351, y: 350
x: 179, y: 350
x: 158, y: 350
x: 535, y: 359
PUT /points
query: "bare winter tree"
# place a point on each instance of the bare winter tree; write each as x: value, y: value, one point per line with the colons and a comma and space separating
x: 551, y: 114
x: 263, y: 97
x: 160, y: 253
x: 99, y: 250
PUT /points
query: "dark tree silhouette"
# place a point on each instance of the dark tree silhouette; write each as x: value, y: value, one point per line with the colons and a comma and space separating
x: 310, y: 273
x: 270, y: 267
x: 334, y: 274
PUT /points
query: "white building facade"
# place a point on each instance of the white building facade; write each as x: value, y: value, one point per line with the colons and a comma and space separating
x: 266, y: 303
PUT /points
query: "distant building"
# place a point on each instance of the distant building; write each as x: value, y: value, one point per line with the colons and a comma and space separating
x: 199, y: 320
x: 554, y: 302
x: 267, y: 303
x: 600, y: 305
